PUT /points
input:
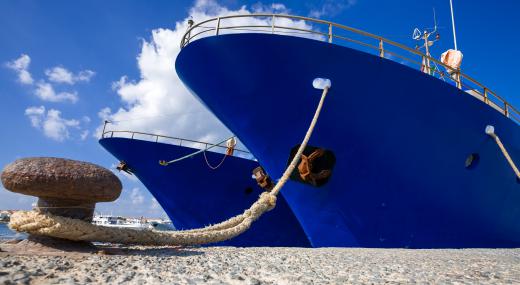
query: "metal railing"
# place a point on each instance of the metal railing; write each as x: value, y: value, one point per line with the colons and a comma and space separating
x: 350, y: 36
x: 167, y: 139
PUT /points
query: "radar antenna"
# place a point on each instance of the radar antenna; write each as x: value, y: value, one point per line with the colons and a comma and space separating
x: 453, y: 25
x: 425, y: 36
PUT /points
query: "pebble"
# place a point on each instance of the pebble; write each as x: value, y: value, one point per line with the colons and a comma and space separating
x: 230, y: 265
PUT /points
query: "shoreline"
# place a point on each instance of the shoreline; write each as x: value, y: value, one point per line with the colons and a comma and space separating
x: 266, y: 265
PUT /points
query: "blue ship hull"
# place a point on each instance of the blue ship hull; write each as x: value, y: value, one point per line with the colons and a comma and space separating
x: 400, y: 138
x: 194, y: 196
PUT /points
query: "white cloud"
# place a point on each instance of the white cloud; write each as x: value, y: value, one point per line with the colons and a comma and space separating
x: 85, y: 75
x: 21, y: 66
x: 159, y: 102
x: 83, y: 135
x: 44, y: 89
x: 136, y: 197
x: 51, y: 123
x: 35, y: 114
x: 273, y: 8
x: 60, y: 74
x: 46, y: 92
x: 331, y: 8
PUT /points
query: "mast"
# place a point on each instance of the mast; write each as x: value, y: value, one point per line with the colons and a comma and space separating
x: 453, y: 25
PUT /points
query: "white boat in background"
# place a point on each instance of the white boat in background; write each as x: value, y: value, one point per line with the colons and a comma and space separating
x: 133, y: 223
x: 5, y: 216
x: 120, y: 222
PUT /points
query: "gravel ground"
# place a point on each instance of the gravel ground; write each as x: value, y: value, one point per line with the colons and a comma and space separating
x: 229, y: 265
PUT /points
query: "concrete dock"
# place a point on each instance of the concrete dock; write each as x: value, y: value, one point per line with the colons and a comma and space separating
x: 228, y: 265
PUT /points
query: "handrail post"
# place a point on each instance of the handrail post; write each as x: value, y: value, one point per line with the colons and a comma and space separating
x: 272, y: 25
x: 157, y: 138
x: 459, y: 82
x: 506, y: 111
x: 218, y: 26
x: 133, y: 135
x: 381, y: 50
x: 187, y: 35
x: 330, y: 32
x: 486, y: 100
x: 104, y: 127
x: 180, y: 142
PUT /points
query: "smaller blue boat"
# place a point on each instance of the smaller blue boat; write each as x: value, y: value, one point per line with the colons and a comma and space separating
x: 195, y: 195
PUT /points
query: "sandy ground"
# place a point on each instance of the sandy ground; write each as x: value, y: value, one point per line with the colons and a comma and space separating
x: 229, y: 265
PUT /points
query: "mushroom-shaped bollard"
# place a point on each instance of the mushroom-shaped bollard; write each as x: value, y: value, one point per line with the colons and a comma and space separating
x: 64, y: 187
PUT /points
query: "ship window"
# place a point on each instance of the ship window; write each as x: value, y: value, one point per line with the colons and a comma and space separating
x: 471, y: 161
x: 315, y: 168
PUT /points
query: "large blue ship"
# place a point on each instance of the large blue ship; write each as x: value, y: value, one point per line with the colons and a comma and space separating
x: 195, y: 194
x: 400, y: 156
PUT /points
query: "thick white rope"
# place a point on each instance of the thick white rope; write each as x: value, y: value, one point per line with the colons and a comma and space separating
x: 37, y: 223
x: 490, y: 130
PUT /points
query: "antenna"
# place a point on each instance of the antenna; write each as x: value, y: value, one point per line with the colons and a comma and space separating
x: 416, y: 34
x: 434, y: 21
x: 453, y: 25
x: 425, y: 36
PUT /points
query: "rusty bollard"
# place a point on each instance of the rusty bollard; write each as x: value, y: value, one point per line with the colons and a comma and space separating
x: 64, y: 187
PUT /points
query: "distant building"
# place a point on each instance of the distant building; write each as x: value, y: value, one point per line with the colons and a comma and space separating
x: 5, y: 216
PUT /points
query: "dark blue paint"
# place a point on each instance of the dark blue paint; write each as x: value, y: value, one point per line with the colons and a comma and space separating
x: 400, y: 138
x: 193, y: 195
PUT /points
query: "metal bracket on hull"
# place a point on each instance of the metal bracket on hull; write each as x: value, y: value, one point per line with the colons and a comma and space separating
x: 123, y: 166
x: 263, y: 179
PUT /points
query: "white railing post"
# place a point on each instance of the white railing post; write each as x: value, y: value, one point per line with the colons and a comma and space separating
x: 104, y: 127
x: 330, y: 32
x: 218, y: 26
x: 381, y: 50
x: 272, y: 25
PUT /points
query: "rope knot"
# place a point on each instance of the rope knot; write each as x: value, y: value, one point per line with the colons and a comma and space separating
x: 269, y: 200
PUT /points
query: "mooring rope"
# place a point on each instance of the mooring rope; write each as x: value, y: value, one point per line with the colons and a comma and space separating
x: 490, y: 130
x: 166, y: 163
x: 37, y: 223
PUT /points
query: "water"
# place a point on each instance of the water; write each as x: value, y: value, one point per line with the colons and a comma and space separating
x: 7, y: 233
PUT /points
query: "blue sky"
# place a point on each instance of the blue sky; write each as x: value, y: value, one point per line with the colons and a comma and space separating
x: 66, y: 65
